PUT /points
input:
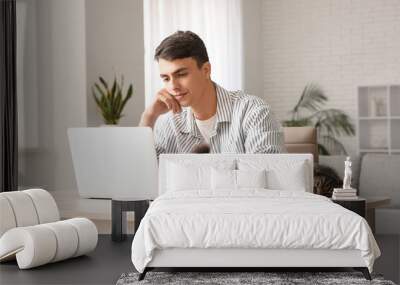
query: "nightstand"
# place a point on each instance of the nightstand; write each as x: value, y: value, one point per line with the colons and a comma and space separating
x: 357, y: 205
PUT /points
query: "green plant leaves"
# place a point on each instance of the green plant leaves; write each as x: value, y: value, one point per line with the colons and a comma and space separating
x: 111, y: 102
x: 103, y: 82
x: 328, y: 122
x: 334, y: 122
x: 128, y: 96
x: 329, y: 144
x: 297, y: 123
x: 311, y: 99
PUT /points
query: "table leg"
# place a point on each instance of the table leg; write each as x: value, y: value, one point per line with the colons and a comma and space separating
x: 118, y: 221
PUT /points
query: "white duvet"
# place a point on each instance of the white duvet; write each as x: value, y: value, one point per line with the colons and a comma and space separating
x: 250, y: 219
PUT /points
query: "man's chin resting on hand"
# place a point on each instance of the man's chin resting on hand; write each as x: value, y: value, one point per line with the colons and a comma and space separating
x: 200, y: 112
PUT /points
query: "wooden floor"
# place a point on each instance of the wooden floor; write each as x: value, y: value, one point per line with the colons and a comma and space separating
x: 102, y: 266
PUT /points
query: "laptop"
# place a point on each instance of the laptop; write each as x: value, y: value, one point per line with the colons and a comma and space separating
x: 114, y: 162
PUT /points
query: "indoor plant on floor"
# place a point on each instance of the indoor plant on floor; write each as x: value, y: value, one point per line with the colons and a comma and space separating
x: 111, y: 101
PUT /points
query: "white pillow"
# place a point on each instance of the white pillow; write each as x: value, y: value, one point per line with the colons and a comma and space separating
x: 181, y: 177
x: 290, y: 175
x: 223, y: 179
x: 185, y: 175
x: 293, y: 177
x: 256, y: 178
x: 237, y: 179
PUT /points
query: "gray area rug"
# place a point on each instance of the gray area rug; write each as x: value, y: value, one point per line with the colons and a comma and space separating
x: 226, y: 278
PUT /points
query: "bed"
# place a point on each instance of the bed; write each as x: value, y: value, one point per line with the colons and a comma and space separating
x: 247, y: 210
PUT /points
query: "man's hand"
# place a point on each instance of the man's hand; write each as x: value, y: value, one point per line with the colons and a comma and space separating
x: 163, y: 103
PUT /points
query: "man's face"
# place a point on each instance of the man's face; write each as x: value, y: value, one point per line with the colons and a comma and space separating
x: 184, y: 80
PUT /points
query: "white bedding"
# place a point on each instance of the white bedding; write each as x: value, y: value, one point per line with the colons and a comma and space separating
x: 251, y: 218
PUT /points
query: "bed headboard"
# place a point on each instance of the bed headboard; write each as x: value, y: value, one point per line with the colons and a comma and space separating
x: 273, y: 160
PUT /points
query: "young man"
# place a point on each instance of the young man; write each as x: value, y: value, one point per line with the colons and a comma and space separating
x: 230, y: 122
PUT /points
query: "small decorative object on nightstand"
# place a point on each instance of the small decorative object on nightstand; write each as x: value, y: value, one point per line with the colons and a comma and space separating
x: 347, y: 196
x: 357, y: 205
x: 347, y: 192
x: 347, y: 174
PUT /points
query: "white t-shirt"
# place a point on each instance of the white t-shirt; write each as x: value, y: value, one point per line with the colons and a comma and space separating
x: 206, y: 127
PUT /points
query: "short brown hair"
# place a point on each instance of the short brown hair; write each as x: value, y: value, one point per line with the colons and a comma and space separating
x: 181, y: 45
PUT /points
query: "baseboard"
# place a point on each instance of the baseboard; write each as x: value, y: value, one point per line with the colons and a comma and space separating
x: 104, y: 226
x: 71, y: 205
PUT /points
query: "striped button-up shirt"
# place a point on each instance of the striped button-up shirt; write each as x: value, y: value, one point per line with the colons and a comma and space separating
x: 244, y: 124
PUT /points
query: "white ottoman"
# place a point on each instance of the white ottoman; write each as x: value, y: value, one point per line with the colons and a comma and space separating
x: 31, y: 232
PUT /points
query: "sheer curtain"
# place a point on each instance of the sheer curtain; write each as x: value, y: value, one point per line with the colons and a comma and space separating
x: 217, y: 22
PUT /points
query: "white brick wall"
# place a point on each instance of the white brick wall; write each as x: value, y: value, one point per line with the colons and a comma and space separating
x: 339, y: 44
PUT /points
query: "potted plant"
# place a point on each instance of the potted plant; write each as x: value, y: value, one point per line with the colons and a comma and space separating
x: 111, y: 101
x: 329, y: 122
